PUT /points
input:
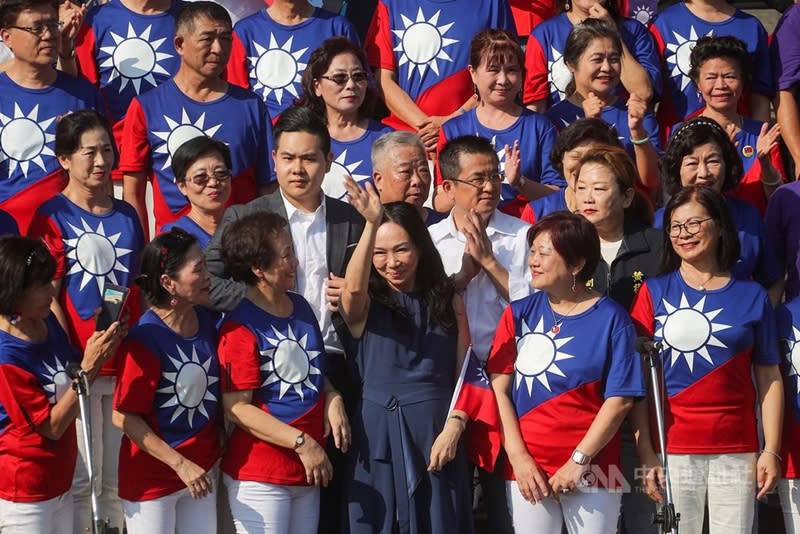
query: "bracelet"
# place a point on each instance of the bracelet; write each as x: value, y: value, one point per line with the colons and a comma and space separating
x: 774, y: 183
x: 775, y: 454
x: 643, y: 140
x: 459, y: 419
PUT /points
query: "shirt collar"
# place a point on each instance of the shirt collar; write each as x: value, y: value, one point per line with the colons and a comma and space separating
x: 291, y: 210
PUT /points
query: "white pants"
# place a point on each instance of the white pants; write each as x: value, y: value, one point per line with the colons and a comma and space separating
x: 729, y: 483
x: 789, y: 491
x: 594, y: 511
x: 260, y: 507
x: 105, y: 456
x: 176, y: 513
x: 46, y: 517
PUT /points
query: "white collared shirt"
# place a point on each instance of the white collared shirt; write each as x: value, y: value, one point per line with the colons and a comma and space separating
x: 309, y: 237
x: 483, y: 302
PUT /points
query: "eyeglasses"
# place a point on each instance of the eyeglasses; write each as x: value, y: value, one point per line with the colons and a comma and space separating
x: 480, y: 181
x: 201, y: 180
x: 691, y: 227
x: 54, y: 26
x: 340, y: 78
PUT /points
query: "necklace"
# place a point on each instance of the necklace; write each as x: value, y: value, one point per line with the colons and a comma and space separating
x: 702, y: 285
x: 556, y: 328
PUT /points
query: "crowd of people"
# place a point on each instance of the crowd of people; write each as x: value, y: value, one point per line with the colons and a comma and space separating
x: 369, y: 269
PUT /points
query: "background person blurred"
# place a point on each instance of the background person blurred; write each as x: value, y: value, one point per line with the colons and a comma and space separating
x: 336, y: 86
x: 717, y: 330
x: 196, y: 163
x: 38, y: 437
x: 96, y: 240
x: 785, y: 55
x: 167, y: 399
x: 564, y: 370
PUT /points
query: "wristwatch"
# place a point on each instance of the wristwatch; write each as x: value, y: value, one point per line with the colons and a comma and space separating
x: 300, y: 440
x: 580, y: 458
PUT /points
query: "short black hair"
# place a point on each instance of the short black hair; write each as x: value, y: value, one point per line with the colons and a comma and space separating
x: 302, y: 119
x: 583, y: 130
x: 723, y: 46
x: 573, y: 237
x: 166, y: 254
x: 690, y: 135
x: 450, y: 155
x: 728, y: 250
x: 248, y: 243
x: 10, y: 9
x: 73, y: 125
x: 24, y: 263
x: 195, y: 10
x: 194, y: 149
x: 581, y: 36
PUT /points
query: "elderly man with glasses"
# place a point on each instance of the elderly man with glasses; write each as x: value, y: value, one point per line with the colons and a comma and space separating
x: 35, y: 95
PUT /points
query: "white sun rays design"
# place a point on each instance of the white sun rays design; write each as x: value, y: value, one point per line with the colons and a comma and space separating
x: 679, y: 55
x: 189, y: 385
x: 422, y: 43
x: 95, y: 254
x: 792, y: 355
x: 333, y: 183
x: 289, y: 362
x: 537, y: 354
x: 24, y: 140
x: 277, y: 68
x: 58, y: 382
x: 181, y: 131
x: 643, y: 14
x: 501, y: 155
x: 134, y: 58
x: 689, y: 330
x: 558, y: 74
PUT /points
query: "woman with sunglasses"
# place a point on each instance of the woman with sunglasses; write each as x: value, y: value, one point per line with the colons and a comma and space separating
x: 202, y: 168
x: 719, y: 339
x: 38, y: 443
x: 336, y: 87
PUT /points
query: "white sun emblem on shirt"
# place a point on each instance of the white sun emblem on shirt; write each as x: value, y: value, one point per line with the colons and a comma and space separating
x: 643, y: 14
x: 180, y: 132
x: 189, y: 385
x: 558, y: 74
x: 333, y: 183
x: 689, y: 330
x: 277, y: 68
x: 95, y: 254
x: 58, y: 382
x: 24, y: 140
x: 422, y: 42
x: 134, y: 58
x: 538, y: 354
x: 289, y: 362
x: 792, y: 355
x: 680, y: 57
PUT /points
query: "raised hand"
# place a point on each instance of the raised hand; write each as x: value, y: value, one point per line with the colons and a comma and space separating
x: 513, y: 168
x: 365, y: 200
x: 636, y: 111
x: 767, y: 140
x: 599, y: 12
x: 593, y: 106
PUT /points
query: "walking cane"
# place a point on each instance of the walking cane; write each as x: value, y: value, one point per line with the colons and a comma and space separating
x: 665, y: 517
x: 80, y: 383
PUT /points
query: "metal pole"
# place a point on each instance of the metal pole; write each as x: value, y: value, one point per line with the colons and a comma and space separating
x: 81, y: 387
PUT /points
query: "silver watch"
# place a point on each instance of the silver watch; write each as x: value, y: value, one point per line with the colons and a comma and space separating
x: 580, y: 458
x: 300, y: 440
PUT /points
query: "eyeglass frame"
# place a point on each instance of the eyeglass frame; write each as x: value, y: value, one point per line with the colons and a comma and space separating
x: 58, y: 24
x: 683, y: 227
x: 493, y: 179
x: 349, y: 76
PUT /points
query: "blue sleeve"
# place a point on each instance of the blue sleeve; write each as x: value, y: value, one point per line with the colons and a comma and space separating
x: 641, y: 44
x: 624, y: 376
x: 547, y: 174
x: 265, y: 172
x: 762, y: 66
x: 765, y: 343
x: 346, y: 29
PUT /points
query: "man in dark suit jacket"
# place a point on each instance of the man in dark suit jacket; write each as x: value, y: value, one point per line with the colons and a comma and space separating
x: 324, y: 232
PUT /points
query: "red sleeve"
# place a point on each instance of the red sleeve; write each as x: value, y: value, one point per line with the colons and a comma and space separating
x: 84, y: 55
x: 536, y: 86
x: 237, y: 72
x: 439, y: 146
x: 528, y: 215
x: 643, y: 312
x: 138, y: 379
x: 238, y: 357
x: 135, y: 156
x: 44, y: 228
x: 22, y: 397
x: 503, y: 353
x: 378, y: 42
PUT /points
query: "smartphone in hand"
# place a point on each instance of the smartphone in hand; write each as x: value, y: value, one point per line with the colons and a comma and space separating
x: 114, y: 298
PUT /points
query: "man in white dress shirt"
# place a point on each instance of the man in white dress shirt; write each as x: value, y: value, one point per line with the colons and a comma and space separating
x: 485, y: 251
